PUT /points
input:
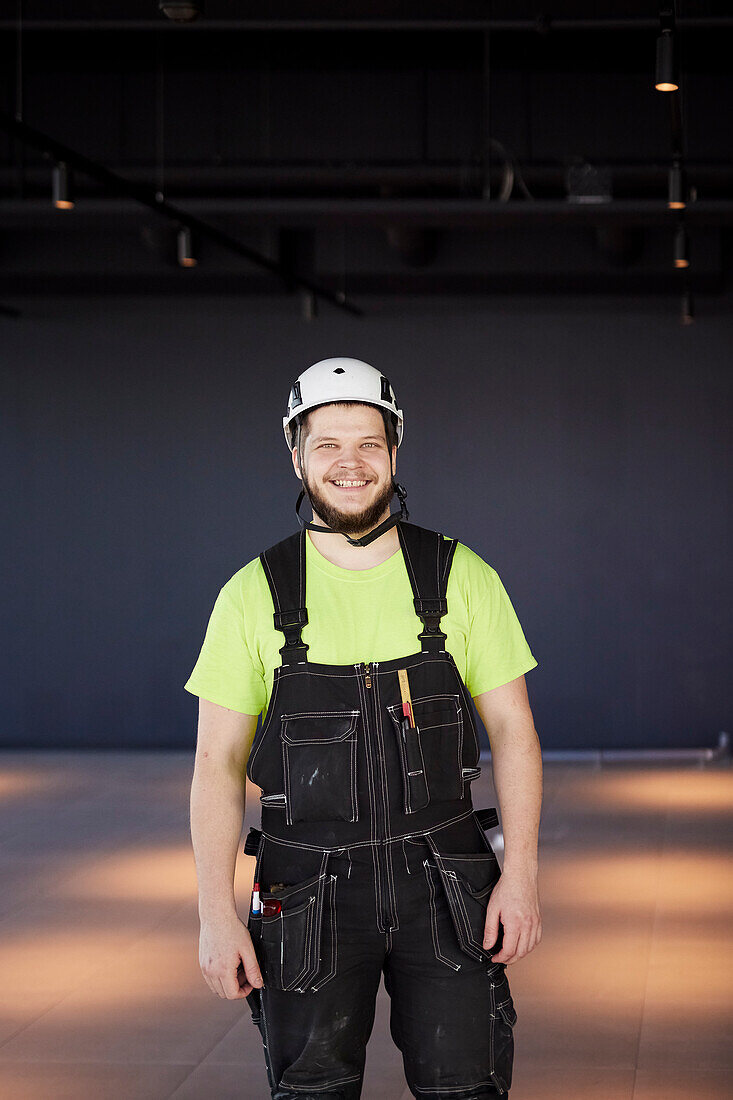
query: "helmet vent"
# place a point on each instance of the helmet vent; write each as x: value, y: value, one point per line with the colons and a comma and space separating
x: 339, y: 370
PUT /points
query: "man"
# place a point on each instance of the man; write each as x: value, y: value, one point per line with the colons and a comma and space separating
x: 371, y: 858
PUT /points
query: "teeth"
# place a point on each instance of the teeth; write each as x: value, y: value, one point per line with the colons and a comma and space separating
x: 349, y: 484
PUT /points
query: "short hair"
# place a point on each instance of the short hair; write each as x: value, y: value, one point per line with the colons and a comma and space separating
x: 390, y: 423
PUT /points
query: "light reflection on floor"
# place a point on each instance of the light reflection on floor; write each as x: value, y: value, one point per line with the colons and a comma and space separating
x: 18, y: 785
x: 628, y: 790
x: 150, y: 872
x: 628, y: 995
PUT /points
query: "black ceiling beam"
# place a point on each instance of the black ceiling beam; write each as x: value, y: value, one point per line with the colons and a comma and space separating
x: 459, y: 177
x: 154, y: 200
x: 541, y: 25
x: 380, y: 283
x: 473, y: 213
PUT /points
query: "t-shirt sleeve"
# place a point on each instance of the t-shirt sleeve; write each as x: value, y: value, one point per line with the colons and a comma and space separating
x: 497, y: 649
x: 225, y: 672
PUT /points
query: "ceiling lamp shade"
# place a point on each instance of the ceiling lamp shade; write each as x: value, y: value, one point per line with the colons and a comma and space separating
x: 61, y: 191
x: 666, y: 71
x: 677, y: 187
x: 681, y: 248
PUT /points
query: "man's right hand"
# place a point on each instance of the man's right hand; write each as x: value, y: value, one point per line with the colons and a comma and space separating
x: 225, y: 948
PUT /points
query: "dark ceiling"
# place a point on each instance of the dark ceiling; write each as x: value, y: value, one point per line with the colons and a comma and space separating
x: 387, y: 145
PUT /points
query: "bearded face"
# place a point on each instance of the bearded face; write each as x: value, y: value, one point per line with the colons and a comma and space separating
x: 346, y: 467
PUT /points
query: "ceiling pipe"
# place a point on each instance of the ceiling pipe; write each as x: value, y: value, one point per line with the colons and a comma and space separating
x: 458, y: 177
x: 539, y: 25
x: 155, y: 200
x: 421, y: 212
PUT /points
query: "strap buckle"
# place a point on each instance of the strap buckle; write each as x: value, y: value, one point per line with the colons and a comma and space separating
x: 431, y: 612
x: 431, y: 607
x: 297, y: 616
x: 291, y: 623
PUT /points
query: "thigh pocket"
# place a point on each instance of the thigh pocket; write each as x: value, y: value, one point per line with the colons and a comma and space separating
x: 319, y: 766
x: 467, y: 881
x: 431, y: 752
x: 298, y: 934
x: 445, y: 948
x: 503, y: 1017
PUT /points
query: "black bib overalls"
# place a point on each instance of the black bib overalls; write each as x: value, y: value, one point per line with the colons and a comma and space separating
x: 372, y: 860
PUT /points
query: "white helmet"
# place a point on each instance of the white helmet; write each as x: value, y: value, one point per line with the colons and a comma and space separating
x: 340, y: 380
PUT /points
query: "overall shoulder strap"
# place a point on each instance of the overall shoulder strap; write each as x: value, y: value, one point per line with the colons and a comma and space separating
x: 428, y: 559
x: 284, y: 566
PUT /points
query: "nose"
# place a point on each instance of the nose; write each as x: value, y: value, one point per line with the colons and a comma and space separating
x: 349, y: 458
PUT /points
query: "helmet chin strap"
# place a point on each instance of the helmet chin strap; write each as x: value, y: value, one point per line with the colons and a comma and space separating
x: 372, y: 535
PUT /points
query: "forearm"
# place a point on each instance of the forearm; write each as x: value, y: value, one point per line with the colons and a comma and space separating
x: 217, y: 810
x: 517, y: 765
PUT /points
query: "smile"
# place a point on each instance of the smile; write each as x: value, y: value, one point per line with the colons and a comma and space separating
x: 342, y: 483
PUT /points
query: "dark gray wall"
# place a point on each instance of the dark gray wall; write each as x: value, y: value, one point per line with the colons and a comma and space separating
x: 581, y: 447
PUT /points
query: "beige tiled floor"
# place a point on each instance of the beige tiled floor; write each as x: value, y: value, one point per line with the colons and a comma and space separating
x: 628, y: 996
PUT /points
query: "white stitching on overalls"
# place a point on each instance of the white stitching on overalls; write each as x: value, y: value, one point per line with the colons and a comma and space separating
x: 334, y: 938
x: 448, y: 560
x: 269, y: 721
x: 346, y: 736
x: 263, y: 1017
x: 408, y: 560
x: 310, y: 905
x: 306, y: 667
x: 301, y: 560
x: 394, y: 709
x: 434, y: 920
x: 320, y: 1088
x: 442, y: 1089
x: 372, y: 806
x: 460, y: 750
x: 368, y: 757
x: 324, y: 714
x: 377, y: 887
x: 429, y: 699
x: 452, y: 888
x: 402, y: 754
x: 271, y: 580
x: 369, y: 843
x: 385, y: 801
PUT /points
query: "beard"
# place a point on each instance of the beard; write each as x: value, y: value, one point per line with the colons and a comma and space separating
x: 348, y: 523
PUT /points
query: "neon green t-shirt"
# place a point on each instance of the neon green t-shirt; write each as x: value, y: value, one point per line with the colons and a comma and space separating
x: 356, y: 615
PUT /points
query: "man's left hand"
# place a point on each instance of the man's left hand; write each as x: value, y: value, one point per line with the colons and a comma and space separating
x: 515, y: 902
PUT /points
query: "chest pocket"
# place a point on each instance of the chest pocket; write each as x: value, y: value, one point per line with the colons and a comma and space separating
x: 319, y: 765
x: 431, y: 753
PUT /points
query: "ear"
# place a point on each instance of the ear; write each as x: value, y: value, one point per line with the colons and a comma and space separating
x: 295, y: 463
